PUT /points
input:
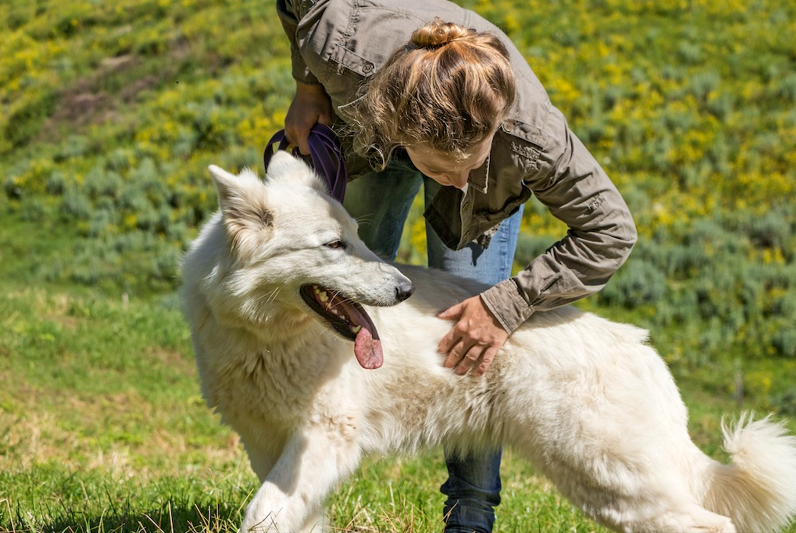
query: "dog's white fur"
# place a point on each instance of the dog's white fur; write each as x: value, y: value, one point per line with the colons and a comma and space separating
x: 586, y: 400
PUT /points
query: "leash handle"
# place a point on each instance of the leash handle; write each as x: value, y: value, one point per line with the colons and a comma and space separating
x: 326, y: 157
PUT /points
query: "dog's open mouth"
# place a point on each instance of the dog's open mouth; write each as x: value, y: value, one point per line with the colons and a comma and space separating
x: 349, y: 319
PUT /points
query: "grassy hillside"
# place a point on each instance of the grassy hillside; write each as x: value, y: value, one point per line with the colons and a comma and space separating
x: 110, y: 113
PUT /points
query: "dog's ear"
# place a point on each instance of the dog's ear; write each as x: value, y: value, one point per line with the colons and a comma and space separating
x: 244, y: 203
x: 286, y: 168
x: 226, y: 184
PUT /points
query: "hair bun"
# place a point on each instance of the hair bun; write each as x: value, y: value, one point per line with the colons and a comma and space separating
x: 439, y: 33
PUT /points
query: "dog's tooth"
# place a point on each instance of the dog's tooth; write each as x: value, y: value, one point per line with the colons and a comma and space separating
x: 324, y: 296
x: 356, y: 329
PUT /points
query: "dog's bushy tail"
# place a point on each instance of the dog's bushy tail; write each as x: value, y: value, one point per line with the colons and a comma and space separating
x: 758, y: 490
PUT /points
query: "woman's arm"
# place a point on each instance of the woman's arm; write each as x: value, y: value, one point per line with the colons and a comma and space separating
x: 290, y: 22
x: 311, y: 104
x: 601, y: 233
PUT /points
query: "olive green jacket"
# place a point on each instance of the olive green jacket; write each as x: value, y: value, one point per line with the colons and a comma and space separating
x: 340, y: 43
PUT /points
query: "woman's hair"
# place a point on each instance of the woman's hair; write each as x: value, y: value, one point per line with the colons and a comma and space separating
x: 447, y: 89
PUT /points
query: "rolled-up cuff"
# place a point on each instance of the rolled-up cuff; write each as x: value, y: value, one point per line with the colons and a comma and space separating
x: 506, y: 302
x: 301, y: 73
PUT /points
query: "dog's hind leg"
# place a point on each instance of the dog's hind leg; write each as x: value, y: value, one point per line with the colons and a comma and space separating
x: 688, y: 519
x: 313, y: 461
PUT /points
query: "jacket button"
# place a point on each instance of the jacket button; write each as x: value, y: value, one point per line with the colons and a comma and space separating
x: 367, y: 68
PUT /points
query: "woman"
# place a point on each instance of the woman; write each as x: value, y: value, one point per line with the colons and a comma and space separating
x: 454, y: 106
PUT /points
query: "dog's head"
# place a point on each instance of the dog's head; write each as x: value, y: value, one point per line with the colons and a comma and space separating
x: 294, y: 247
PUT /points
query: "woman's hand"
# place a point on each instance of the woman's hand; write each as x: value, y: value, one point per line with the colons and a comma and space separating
x: 474, y: 340
x: 311, y: 105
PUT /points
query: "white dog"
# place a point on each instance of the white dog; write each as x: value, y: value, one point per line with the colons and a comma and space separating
x: 278, y: 285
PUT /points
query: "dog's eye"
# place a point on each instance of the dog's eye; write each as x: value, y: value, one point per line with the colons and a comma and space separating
x: 335, y: 244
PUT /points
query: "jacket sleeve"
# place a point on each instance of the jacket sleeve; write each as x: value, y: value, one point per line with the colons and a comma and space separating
x: 289, y: 22
x: 601, y: 232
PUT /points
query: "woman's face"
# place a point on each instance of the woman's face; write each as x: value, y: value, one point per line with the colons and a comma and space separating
x: 445, y: 170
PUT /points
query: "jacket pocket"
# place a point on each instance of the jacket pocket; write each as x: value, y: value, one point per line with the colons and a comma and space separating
x: 527, y: 138
x: 347, y: 60
x: 484, y: 219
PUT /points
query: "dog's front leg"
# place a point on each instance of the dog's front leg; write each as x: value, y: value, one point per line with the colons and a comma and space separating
x: 312, y: 463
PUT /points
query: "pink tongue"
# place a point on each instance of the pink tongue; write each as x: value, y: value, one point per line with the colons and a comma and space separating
x: 368, y: 350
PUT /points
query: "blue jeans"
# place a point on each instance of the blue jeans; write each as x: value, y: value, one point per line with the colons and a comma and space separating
x: 380, y: 201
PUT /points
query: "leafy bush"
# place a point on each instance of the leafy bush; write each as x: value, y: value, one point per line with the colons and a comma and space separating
x: 76, y: 205
x: 33, y: 210
x: 530, y: 246
x: 641, y: 283
x: 99, y: 182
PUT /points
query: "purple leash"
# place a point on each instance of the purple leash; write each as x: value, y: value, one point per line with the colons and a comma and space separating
x: 326, y: 157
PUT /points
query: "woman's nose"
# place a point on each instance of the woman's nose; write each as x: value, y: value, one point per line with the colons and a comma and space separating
x: 458, y: 180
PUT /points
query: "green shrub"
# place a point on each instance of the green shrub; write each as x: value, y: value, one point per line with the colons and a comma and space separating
x: 134, y: 198
x: 771, y: 230
x: 784, y: 340
x: 785, y: 404
x: 703, y: 83
x: 530, y: 246
x: 33, y: 210
x: 76, y: 205
x: 76, y: 146
x: 27, y: 120
x: 638, y: 283
x: 690, y: 53
x: 102, y: 222
x: 56, y: 183
x: 787, y: 87
x: 12, y: 188
x: 721, y: 105
x: 100, y: 182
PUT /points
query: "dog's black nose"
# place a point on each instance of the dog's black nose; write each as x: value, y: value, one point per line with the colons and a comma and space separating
x: 404, y: 290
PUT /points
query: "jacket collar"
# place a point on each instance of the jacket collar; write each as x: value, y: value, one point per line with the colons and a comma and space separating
x: 479, y: 177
